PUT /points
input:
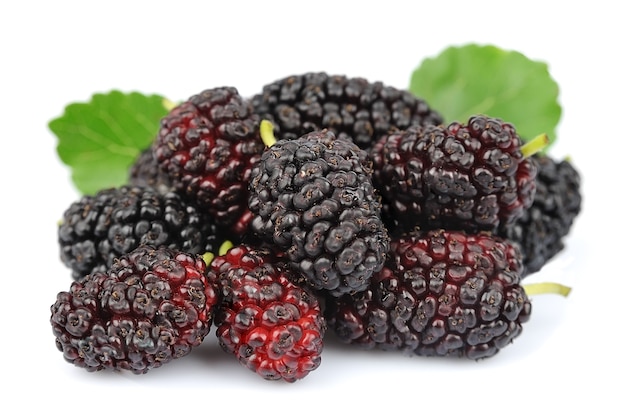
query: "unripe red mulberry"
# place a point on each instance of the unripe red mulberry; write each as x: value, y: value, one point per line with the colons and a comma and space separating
x: 273, y: 326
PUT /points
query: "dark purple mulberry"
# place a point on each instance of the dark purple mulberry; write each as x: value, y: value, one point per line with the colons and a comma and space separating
x: 152, y: 306
x: 146, y: 172
x: 313, y: 199
x: 97, y: 229
x: 542, y: 228
x: 207, y: 146
x: 441, y: 293
x: 470, y: 176
x: 361, y: 109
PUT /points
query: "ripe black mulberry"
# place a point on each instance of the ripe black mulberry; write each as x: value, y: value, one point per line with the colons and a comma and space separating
x: 541, y: 230
x: 146, y: 172
x: 97, y: 229
x: 355, y: 106
x: 313, y: 199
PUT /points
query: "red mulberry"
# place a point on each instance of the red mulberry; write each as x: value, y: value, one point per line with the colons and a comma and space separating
x: 273, y: 326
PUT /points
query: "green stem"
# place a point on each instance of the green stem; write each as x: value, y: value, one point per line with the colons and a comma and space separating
x: 267, y: 133
x: 169, y: 104
x: 208, y: 257
x: 224, y: 247
x: 535, y: 145
x: 547, y: 287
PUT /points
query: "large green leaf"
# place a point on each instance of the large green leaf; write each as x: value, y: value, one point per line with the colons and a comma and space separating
x: 100, y: 139
x: 484, y: 79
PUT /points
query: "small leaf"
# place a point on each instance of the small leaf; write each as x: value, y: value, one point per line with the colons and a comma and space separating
x: 474, y: 79
x: 100, y: 139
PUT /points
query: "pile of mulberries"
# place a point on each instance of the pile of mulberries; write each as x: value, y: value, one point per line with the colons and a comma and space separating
x: 321, y: 205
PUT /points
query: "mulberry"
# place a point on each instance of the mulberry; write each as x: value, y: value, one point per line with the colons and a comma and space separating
x: 207, y: 145
x: 97, y: 229
x: 313, y: 199
x: 146, y: 172
x: 471, y: 176
x: 363, y: 110
x: 540, y: 231
x: 441, y: 293
x: 273, y: 326
x: 152, y: 306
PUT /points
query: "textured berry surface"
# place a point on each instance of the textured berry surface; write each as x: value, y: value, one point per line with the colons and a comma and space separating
x: 207, y: 146
x: 542, y: 228
x: 313, y: 198
x: 273, y: 326
x: 152, y: 306
x: 96, y: 229
x: 470, y: 176
x: 363, y: 110
x: 440, y: 294
x: 146, y: 172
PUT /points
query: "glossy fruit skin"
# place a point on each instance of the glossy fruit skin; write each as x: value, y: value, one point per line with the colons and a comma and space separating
x: 97, y: 229
x: 207, y: 146
x: 313, y: 200
x: 274, y: 327
x: 441, y: 293
x: 361, y: 109
x: 542, y: 229
x: 146, y: 172
x: 468, y: 176
x: 152, y: 306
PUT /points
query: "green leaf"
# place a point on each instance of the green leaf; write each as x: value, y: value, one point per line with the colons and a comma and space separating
x: 484, y: 79
x: 100, y: 139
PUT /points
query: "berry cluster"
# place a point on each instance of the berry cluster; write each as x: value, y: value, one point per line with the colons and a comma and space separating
x: 322, y: 204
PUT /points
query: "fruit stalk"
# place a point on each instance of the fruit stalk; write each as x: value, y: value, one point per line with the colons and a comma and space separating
x: 536, y: 145
x: 542, y: 288
x: 266, y: 130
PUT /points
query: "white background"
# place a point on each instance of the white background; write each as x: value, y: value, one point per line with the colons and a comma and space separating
x: 569, y: 360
